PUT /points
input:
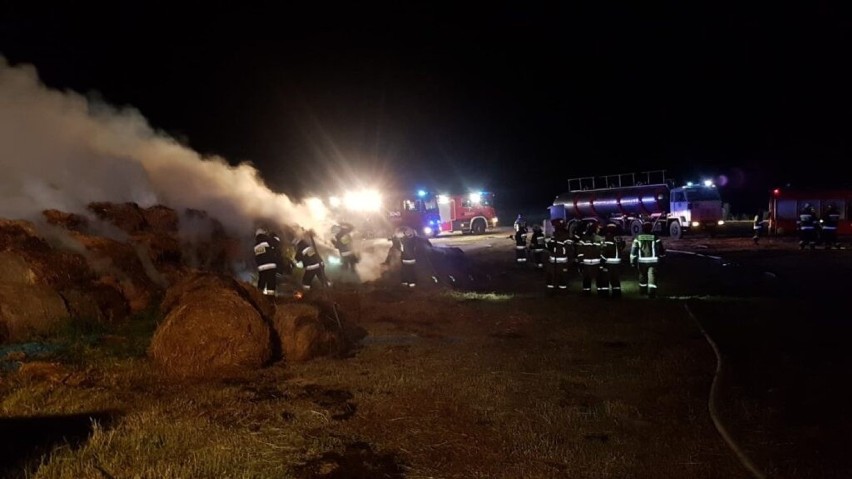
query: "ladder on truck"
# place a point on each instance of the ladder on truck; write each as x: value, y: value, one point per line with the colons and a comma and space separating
x: 620, y: 180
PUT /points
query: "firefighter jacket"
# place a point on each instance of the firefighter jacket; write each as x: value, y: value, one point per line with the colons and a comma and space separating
x: 266, y: 251
x: 807, y: 221
x: 521, y: 238
x: 589, y: 249
x: 611, y: 249
x: 646, y: 248
x: 307, y: 255
x: 343, y: 241
x: 832, y: 218
x: 408, y: 249
x: 537, y: 240
x: 560, y: 246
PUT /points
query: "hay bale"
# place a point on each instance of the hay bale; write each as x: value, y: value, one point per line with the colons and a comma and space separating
x: 211, y: 333
x: 303, y: 333
x: 15, y: 269
x: 97, y: 302
x: 203, y: 281
x: 69, y: 221
x: 28, y: 311
x: 128, y: 217
x: 161, y: 219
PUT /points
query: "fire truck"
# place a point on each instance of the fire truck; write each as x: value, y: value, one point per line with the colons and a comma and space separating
x: 632, y: 199
x: 432, y: 215
x: 785, y: 204
x: 470, y: 213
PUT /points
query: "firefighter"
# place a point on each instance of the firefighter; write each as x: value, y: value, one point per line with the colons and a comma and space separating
x: 537, y: 246
x: 306, y: 253
x: 757, y: 226
x: 807, y: 225
x: 559, y: 247
x: 828, y: 227
x: 266, y: 256
x: 611, y: 252
x: 589, y: 257
x: 342, y: 240
x: 521, y: 240
x: 645, y: 255
x: 406, y: 241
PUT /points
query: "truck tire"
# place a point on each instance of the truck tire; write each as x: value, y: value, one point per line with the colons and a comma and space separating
x: 674, y: 230
x: 478, y: 227
x: 635, y: 227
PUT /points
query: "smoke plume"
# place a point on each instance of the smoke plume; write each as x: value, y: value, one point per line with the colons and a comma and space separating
x: 60, y: 150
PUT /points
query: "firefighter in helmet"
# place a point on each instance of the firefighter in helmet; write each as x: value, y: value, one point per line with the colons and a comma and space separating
x: 589, y: 256
x: 611, y: 252
x: 537, y: 246
x: 521, y: 240
x: 807, y: 225
x: 266, y: 257
x: 757, y: 226
x: 405, y: 238
x: 559, y: 247
x: 645, y: 255
x: 828, y: 227
x: 342, y: 240
x: 307, y: 254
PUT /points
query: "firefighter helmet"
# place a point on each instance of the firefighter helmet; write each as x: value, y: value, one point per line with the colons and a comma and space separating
x: 260, y: 231
x: 335, y: 229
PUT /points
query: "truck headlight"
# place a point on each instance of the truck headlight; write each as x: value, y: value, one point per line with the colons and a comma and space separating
x: 494, y: 220
x: 720, y: 222
x: 427, y: 230
x: 695, y: 224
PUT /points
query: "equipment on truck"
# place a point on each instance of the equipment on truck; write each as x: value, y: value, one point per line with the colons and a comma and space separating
x: 630, y: 200
x: 785, y: 204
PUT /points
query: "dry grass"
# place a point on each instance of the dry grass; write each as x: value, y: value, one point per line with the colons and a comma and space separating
x: 456, y: 385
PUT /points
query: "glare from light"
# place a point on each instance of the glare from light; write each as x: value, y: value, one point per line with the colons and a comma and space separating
x: 334, y: 201
x: 696, y: 224
x: 316, y: 208
x: 475, y: 198
x: 720, y: 222
x: 494, y: 220
x: 688, y: 183
x: 333, y: 260
x: 427, y: 230
x: 708, y: 183
x: 421, y: 193
x: 364, y: 200
x: 443, y: 200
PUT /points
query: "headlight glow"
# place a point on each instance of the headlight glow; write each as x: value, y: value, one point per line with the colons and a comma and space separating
x: 365, y: 200
x: 696, y: 224
x: 427, y: 230
x: 720, y: 222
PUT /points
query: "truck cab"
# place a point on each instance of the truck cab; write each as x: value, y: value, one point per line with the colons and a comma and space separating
x: 694, y: 208
x: 471, y: 213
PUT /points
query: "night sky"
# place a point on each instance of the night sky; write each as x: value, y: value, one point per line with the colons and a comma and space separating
x: 514, y: 98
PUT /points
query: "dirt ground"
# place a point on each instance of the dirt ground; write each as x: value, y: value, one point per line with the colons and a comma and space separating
x: 497, y: 381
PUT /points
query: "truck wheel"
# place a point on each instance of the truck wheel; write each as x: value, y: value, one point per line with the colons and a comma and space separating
x: 674, y: 230
x: 478, y: 227
x: 635, y: 227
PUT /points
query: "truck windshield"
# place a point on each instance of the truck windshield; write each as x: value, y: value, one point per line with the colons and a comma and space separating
x: 703, y: 194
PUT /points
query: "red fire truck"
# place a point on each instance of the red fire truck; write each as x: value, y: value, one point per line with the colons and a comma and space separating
x: 470, y: 213
x: 785, y: 204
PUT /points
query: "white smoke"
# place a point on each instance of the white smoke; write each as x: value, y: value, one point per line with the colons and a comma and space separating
x: 60, y: 151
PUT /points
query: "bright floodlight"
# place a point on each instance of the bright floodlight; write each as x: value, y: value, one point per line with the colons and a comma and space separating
x: 475, y: 197
x: 708, y: 183
x: 365, y: 200
x: 421, y: 193
x: 688, y: 183
x: 334, y: 202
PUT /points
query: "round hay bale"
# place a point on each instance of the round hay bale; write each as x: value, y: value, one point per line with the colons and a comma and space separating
x: 29, y: 311
x: 202, y: 281
x: 303, y: 334
x: 212, y: 333
x: 127, y: 217
x: 69, y: 221
x: 15, y: 269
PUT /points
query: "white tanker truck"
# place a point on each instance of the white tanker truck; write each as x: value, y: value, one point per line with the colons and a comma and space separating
x: 632, y: 199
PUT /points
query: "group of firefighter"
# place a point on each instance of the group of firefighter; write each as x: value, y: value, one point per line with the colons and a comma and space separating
x: 813, y: 230
x: 594, y: 250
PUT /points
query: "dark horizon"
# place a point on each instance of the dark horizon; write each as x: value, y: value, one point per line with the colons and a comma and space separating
x: 510, y: 99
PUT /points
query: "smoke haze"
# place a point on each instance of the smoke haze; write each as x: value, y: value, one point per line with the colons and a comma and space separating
x: 62, y: 151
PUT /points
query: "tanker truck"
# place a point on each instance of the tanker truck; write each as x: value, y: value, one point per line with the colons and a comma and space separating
x: 632, y: 199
